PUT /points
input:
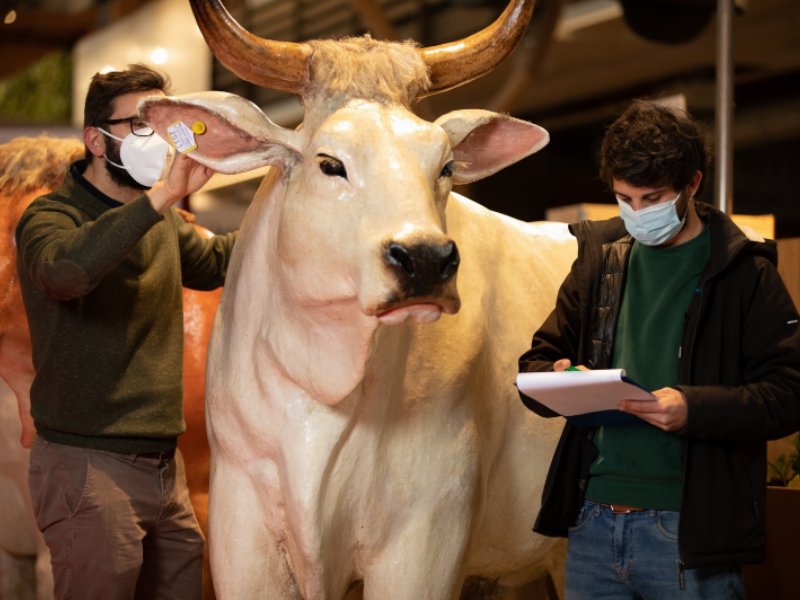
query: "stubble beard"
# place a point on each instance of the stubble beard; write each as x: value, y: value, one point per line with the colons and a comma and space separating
x: 119, y: 175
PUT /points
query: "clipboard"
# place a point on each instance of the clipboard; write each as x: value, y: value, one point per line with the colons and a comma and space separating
x: 585, y: 398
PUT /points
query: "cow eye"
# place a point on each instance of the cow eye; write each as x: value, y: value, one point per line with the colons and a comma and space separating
x: 332, y: 167
x: 447, y: 169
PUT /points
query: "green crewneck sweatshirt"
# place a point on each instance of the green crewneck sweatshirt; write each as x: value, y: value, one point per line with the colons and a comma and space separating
x: 640, y: 465
x: 101, y: 282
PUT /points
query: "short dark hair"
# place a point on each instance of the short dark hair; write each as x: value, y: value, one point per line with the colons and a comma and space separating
x: 651, y: 145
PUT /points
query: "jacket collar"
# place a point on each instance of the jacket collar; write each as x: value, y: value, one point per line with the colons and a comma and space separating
x: 728, y: 240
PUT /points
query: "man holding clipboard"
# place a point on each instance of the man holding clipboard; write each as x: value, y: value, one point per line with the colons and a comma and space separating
x: 668, y: 505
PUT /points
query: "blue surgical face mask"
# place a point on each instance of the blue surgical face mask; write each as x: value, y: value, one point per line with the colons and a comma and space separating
x: 654, y: 225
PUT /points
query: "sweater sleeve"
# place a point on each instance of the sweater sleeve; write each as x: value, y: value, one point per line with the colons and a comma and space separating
x: 204, y: 259
x: 66, y: 256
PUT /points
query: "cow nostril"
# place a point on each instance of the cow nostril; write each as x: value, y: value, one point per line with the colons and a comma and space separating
x: 450, y: 262
x: 398, y: 255
x: 423, y: 264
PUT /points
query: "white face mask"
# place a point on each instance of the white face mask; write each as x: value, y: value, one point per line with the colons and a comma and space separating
x: 654, y: 225
x: 143, y: 157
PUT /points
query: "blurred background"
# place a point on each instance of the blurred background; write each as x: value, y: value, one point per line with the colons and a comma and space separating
x: 580, y: 64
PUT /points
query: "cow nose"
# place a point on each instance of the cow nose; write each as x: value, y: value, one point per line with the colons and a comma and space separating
x: 423, y: 264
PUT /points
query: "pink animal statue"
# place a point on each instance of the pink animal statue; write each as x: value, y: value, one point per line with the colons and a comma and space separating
x: 30, y: 167
x: 366, y: 433
x: 24, y: 560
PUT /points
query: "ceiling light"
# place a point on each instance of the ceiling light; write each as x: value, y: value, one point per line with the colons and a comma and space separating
x: 10, y: 17
x: 159, y: 56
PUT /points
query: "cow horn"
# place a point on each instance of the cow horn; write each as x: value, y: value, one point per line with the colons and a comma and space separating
x: 456, y: 63
x: 277, y: 65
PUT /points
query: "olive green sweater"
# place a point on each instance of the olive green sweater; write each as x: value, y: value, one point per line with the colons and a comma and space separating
x: 101, y: 282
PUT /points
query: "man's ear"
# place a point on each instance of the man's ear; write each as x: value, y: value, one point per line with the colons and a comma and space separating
x: 694, y: 184
x: 94, y: 140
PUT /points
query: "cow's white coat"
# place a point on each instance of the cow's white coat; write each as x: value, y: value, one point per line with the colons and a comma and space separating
x: 352, y: 438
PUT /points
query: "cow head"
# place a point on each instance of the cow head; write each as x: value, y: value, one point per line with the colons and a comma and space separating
x: 356, y: 218
x: 368, y: 180
x: 364, y: 209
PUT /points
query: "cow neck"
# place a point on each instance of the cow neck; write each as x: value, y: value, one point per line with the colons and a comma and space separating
x: 323, y: 351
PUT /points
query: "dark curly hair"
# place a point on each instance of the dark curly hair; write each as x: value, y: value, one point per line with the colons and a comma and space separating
x: 106, y: 87
x: 650, y: 145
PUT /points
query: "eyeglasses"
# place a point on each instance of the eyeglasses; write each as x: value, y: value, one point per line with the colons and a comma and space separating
x: 138, y: 127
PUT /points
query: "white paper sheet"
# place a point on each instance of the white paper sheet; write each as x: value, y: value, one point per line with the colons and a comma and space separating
x: 579, y: 392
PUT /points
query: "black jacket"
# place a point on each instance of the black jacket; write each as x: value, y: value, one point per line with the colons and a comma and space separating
x: 739, y: 370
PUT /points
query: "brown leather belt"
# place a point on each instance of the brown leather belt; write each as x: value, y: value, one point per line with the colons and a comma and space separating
x: 621, y: 509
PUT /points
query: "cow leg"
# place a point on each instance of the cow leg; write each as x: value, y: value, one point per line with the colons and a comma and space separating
x: 28, y: 428
x: 44, y: 572
x: 246, y: 562
x: 19, y: 380
x: 422, y: 564
x: 17, y: 576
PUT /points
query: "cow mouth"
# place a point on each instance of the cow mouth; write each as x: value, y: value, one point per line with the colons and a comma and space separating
x: 420, y: 311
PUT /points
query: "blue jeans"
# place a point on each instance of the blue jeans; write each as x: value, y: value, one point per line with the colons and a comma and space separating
x: 635, y: 556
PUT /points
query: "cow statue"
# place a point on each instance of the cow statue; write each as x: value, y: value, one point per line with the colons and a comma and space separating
x: 366, y: 433
x: 29, y: 167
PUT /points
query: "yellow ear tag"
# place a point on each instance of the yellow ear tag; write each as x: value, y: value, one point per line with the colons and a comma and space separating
x: 199, y: 127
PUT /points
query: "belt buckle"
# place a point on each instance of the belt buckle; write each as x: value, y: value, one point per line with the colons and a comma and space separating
x: 621, y: 509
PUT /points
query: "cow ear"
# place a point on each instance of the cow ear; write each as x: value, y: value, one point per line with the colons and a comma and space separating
x: 485, y: 142
x: 231, y: 134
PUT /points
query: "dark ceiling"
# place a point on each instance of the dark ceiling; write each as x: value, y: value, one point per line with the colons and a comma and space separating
x: 580, y: 63
x: 578, y: 57
x: 42, y: 26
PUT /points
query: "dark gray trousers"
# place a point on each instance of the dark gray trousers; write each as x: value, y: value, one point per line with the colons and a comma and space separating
x: 119, y: 526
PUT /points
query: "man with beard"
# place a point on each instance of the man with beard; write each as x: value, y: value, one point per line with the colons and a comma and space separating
x: 101, y: 262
